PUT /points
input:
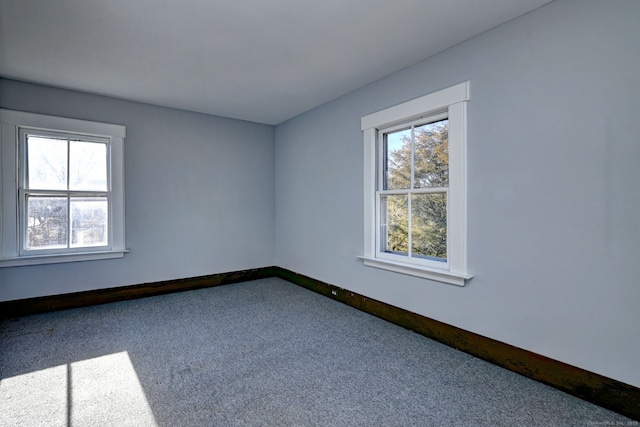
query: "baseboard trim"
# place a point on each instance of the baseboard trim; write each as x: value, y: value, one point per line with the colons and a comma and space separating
x: 25, y: 307
x: 606, y: 392
x: 602, y: 391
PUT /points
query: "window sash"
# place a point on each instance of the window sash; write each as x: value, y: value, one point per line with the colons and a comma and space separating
x: 409, y: 257
x: 380, y: 142
x: 69, y: 247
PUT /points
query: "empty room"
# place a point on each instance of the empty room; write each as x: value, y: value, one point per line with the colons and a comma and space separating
x: 319, y: 213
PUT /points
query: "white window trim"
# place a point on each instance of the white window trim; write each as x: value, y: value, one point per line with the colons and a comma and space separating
x: 10, y: 124
x: 453, y: 100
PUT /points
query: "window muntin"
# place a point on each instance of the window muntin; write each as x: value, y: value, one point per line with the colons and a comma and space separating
x: 412, y: 189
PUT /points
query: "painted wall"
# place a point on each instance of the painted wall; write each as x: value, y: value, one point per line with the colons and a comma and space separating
x: 199, y: 194
x: 554, y: 186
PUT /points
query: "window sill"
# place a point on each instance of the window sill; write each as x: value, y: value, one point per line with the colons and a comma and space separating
x: 54, y: 259
x: 458, y: 279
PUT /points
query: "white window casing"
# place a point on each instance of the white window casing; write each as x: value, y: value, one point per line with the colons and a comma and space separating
x: 450, y: 102
x: 13, y: 124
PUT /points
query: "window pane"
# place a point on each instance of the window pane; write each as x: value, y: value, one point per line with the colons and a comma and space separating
x: 429, y: 226
x: 46, y: 163
x: 89, y: 219
x: 46, y: 222
x: 397, y: 160
x: 394, y: 223
x: 431, y: 158
x: 88, y: 166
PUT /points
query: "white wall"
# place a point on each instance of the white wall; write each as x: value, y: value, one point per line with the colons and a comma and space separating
x: 554, y: 186
x: 199, y: 194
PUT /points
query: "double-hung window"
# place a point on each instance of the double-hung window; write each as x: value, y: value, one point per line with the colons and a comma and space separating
x: 415, y: 187
x: 62, y: 189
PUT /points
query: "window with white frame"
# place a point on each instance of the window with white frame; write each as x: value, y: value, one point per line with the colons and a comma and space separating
x: 415, y: 187
x: 62, y: 189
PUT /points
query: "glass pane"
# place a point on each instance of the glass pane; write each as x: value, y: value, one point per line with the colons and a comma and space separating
x: 397, y: 160
x: 89, y: 219
x: 88, y: 166
x: 429, y: 226
x: 46, y: 222
x: 46, y: 163
x: 431, y: 158
x: 394, y: 224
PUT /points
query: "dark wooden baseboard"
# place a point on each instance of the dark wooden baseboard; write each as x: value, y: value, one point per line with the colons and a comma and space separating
x: 594, y: 388
x: 25, y: 307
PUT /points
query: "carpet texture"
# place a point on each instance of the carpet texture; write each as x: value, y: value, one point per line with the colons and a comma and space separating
x: 260, y: 353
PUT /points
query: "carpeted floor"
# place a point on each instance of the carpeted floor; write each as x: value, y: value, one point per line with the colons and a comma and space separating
x: 261, y: 353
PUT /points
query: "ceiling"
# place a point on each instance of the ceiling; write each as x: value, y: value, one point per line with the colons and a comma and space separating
x: 256, y: 60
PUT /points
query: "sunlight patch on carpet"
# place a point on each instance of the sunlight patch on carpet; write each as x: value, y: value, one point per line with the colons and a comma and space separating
x: 100, y: 391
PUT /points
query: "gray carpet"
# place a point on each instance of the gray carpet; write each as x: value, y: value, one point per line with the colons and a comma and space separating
x: 258, y: 353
